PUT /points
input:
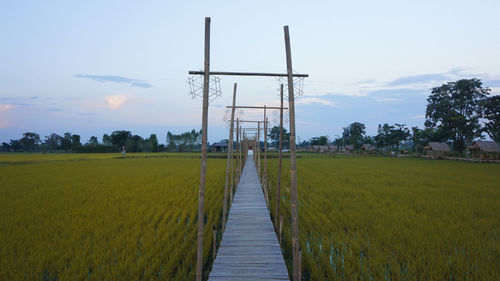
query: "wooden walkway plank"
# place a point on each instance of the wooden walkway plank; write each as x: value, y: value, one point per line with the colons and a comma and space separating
x: 249, y: 248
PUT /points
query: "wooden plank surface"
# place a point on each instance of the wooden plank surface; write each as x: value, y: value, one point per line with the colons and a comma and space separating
x: 249, y: 248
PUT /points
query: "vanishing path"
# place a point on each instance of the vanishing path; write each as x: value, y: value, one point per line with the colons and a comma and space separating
x: 249, y: 248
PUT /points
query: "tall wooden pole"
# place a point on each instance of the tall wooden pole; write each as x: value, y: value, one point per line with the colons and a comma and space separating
x: 293, y: 167
x: 258, y: 152
x: 232, y: 149
x: 238, y: 151
x: 203, y: 170
x: 228, y: 165
x: 280, y: 158
x: 265, y: 154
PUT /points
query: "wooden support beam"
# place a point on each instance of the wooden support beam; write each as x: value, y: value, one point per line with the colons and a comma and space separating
x: 278, y: 222
x: 256, y: 107
x: 265, y: 156
x: 250, y: 121
x: 247, y: 73
x: 293, y: 164
x: 203, y: 170
x: 229, y: 167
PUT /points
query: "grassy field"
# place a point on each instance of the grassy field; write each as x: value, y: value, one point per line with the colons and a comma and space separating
x: 98, y: 217
x: 374, y: 218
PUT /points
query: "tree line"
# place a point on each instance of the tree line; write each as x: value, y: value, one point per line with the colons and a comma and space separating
x: 117, y: 141
x: 457, y: 113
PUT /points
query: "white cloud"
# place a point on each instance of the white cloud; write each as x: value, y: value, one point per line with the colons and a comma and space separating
x: 419, y: 117
x: 116, y: 101
x: 5, y: 107
x: 386, y: 99
x: 315, y: 100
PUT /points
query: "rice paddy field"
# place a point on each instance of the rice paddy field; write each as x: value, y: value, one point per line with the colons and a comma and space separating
x: 104, y: 216
x: 133, y: 217
x: 375, y: 218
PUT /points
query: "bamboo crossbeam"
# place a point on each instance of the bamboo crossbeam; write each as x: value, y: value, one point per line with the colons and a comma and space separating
x: 247, y: 73
x: 250, y: 121
x: 256, y: 107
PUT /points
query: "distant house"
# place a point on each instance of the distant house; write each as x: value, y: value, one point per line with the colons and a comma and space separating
x: 219, y: 146
x: 437, y: 149
x: 349, y: 148
x: 323, y: 148
x: 320, y: 148
x: 368, y: 148
x: 485, y: 150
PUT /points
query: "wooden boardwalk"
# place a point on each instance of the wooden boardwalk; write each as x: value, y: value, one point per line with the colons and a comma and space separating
x: 249, y: 248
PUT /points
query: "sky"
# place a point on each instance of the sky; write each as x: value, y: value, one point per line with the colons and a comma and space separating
x: 92, y: 67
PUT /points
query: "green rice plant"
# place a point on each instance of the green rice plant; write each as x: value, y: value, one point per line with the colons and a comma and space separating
x: 104, y: 218
x: 375, y: 218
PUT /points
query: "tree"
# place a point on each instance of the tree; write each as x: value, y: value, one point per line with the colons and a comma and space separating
x: 274, y: 135
x: 75, y: 143
x: 354, y: 134
x: 455, y: 109
x: 29, y: 141
x: 154, y: 143
x: 400, y: 134
x: 119, y: 139
x: 93, y: 141
x: 53, y: 141
x: 5, y: 147
x: 492, y: 115
x: 383, y: 138
x: 66, y: 142
x: 15, y: 145
x: 106, y: 140
x: 322, y: 140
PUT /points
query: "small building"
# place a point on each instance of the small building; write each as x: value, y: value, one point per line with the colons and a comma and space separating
x: 323, y: 148
x: 333, y: 148
x: 368, y: 148
x: 349, y: 148
x: 437, y: 149
x: 485, y: 150
x: 320, y: 148
x: 219, y: 147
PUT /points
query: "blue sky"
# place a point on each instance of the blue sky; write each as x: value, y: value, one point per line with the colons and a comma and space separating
x: 91, y: 67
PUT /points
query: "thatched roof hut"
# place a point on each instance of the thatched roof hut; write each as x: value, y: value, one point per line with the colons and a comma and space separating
x: 437, y: 147
x: 485, y: 149
x: 485, y: 146
x: 349, y: 147
x: 324, y: 148
x: 219, y: 146
x: 368, y: 147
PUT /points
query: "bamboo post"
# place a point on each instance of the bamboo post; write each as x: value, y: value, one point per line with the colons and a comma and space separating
x: 238, y: 152
x: 265, y: 151
x: 281, y: 229
x: 300, y: 264
x: 203, y: 170
x: 280, y: 157
x: 258, y: 152
x: 232, y: 162
x: 293, y: 167
x: 229, y: 166
x: 214, y: 231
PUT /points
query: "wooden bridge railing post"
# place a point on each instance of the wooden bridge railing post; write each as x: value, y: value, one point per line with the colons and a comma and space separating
x: 203, y: 170
x: 265, y: 157
x: 214, y: 232
x: 280, y: 157
x: 237, y: 151
x: 229, y: 166
x: 293, y: 167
